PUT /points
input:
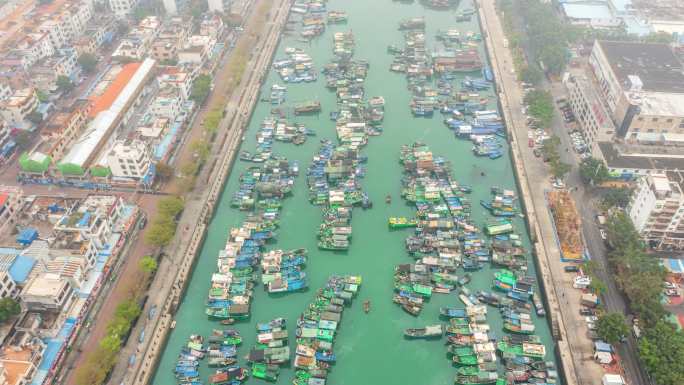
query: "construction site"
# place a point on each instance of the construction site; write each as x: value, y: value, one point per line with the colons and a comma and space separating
x: 568, y: 225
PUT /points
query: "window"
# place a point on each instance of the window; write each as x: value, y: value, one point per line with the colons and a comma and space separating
x: 640, y: 119
x: 669, y: 120
x: 654, y: 119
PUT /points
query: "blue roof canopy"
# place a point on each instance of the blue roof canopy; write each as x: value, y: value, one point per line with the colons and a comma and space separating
x: 20, y: 269
x: 27, y: 236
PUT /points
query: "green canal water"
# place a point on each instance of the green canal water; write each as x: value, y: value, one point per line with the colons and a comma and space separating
x: 370, y: 347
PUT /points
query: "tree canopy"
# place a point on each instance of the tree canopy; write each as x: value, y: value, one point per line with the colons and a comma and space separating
x: 87, y: 61
x: 8, y: 309
x: 662, y: 351
x: 611, y: 327
x: 593, y: 171
x: 148, y: 264
x: 64, y: 84
x: 540, y: 106
x: 201, y: 88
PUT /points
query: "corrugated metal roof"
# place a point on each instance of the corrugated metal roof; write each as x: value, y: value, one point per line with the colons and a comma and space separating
x: 97, y: 129
x: 105, y: 100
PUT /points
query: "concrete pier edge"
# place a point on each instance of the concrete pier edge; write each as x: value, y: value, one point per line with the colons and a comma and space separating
x: 233, y: 128
x: 563, y: 352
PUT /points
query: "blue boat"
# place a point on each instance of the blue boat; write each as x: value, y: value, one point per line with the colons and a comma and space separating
x: 487, y: 73
x: 451, y: 312
x: 325, y: 357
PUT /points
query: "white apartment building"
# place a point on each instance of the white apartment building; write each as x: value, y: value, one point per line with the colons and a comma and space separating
x: 121, y: 8
x: 178, y: 78
x: 657, y: 211
x: 167, y: 104
x: 91, y: 220
x: 8, y: 288
x: 33, y: 47
x: 47, y: 292
x: 590, y: 112
x: 642, y: 84
x: 11, y: 203
x: 67, y: 23
x: 15, y: 108
x: 138, y: 42
x: 197, y: 50
x: 129, y: 159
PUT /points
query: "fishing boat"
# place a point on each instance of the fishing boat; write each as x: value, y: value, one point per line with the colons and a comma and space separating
x: 366, y: 306
x: 538, y: 304
x: 480, y: 378
x: 451, y: 312
x: 337, y: 17
x: 428, y: 332
x: 265, y: 372
x: 413, y: 23
x: 401, y: 223
x: 388, y: 199
x: 228, y: 376
x: 307, y: 107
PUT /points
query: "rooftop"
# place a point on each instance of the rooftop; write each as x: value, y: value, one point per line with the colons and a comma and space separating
x: 107, y: 98
x: 655, y: 64
x: 616, y: 160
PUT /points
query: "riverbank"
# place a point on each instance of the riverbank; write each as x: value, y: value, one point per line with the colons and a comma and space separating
x: 360, y: 347
x: 507, y: 85
x: 231, y: 130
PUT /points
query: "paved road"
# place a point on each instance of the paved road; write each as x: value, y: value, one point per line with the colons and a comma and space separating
x: 587, y: 204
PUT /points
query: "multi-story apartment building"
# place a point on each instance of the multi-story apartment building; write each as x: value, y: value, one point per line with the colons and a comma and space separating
x: 167, y: 103
x: 64, y: 127
x: 642, y: 85
x: 15, y: 108
x: 92, y: 219
x: 45, y: 73
x: 657, y: 210
x: 121, y: 8
x: 179, y: 78
x: 129, y: 159
x: 589, y: 110
x: 138, y: 42
x: 172, y: 35
x: 47, y: 292
x: 11, y: 202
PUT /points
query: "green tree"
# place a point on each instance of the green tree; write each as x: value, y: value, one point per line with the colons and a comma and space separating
x: 164, y: 171
x: 617, y: 197
x: 64, y: 84
x: 148, y: 264
x: 201, y: 88
x: 559, y: 169
x: 23, y: 139
x: 170, y: 207
x: 34, y: 117
x: 531, y: 74
x: 212, y: 120
x: 593, y: 171
x: 8, y: 309
x: 662, y: 350
x: 540, y: 106
x: 42, y: 96
x: 87, y: 61
x: 128, y: 310
x: 160, y: 233
x: 611, y: 327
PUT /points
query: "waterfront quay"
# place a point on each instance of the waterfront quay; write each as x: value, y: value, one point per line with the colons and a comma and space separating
x: 168, y: 292
x: 363, y: 338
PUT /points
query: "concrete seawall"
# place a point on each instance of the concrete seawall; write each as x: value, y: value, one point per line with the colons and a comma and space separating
x: 232, y: 126
x: 563, y: 352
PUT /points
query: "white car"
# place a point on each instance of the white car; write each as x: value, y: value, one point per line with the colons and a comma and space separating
x: 558, y: 184
x: 604, y: 236
x: 669, y: 285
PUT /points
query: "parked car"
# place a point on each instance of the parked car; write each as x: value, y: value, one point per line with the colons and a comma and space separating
x: 558, y: 184
x: 571, y: 269
x: 603, y: 234
x: 587, y: 311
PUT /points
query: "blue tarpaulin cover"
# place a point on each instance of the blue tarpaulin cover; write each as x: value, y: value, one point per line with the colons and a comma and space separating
x: 601, y: 346
x: 27, y: 235
x: 21, y: 267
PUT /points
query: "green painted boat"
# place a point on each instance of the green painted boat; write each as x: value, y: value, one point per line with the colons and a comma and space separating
x: 401, y: 223
x: 465, y: 360
x: 481, y: 378
x: 265, y: 372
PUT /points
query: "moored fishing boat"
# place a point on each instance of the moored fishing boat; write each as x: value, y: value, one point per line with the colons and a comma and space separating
x: 428, y: 332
